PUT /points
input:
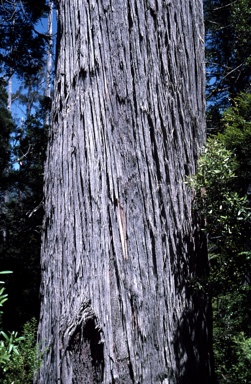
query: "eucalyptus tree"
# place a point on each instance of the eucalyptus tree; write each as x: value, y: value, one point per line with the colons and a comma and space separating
x: 122, y: 249
x: 7, y: 125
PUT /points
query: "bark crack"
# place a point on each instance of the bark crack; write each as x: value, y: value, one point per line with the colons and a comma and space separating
x: 121, y: 215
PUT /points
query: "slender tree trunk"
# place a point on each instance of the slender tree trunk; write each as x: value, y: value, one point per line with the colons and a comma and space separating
x: 9, y: 93
x: 122, y: 254
x: 49, y: 60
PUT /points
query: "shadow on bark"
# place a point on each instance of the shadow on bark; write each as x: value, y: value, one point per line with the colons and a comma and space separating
x: 193, y: 335
x: 190, y: 341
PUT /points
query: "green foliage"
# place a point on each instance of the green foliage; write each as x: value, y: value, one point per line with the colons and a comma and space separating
x: 232, y: 353
x: 22, y: 365
x: 19, y: 355
x: 226, y: 212
x: 8, y: 342
x: 230, y: 272
x: 9, y: 347
x: 3, y: 295
x: 241, y: 370
x: 237, y: 137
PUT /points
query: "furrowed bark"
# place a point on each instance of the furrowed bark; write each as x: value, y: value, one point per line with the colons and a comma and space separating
x: 121, y: 246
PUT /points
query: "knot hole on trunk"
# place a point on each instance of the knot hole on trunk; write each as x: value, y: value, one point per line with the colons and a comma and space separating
x: 87, y: 354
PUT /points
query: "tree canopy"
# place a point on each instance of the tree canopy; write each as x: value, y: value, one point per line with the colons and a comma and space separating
x: 228, y: 48
x: 227, y: 202
x: 22, y: 47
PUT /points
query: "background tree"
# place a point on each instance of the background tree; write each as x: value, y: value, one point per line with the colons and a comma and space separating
x: 5, y: 154
x: 22, y: 53
x: 6, y: 129
x: 228, y: 35
x: 121, y: 246
x: 23, y: 220
x: 21, y: 45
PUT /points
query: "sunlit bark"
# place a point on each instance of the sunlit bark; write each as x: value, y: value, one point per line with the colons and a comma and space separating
x: 121, y: 248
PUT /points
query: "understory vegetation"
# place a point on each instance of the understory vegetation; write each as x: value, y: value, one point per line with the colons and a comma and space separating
x: 19, y: 355
x: 222, y: 192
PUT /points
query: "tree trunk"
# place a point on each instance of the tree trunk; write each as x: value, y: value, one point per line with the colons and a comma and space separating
x: 49, y: 60
x: 122, y: 254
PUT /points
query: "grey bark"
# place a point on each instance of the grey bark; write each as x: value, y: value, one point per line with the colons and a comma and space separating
x: 122, y: 250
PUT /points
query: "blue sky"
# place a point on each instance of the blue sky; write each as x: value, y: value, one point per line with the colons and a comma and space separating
x: 17, y: 109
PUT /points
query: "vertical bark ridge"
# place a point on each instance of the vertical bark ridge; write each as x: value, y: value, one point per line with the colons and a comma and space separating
x: 119, y: 245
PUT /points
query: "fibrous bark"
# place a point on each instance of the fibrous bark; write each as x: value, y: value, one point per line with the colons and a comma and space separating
x: 121, y: 246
